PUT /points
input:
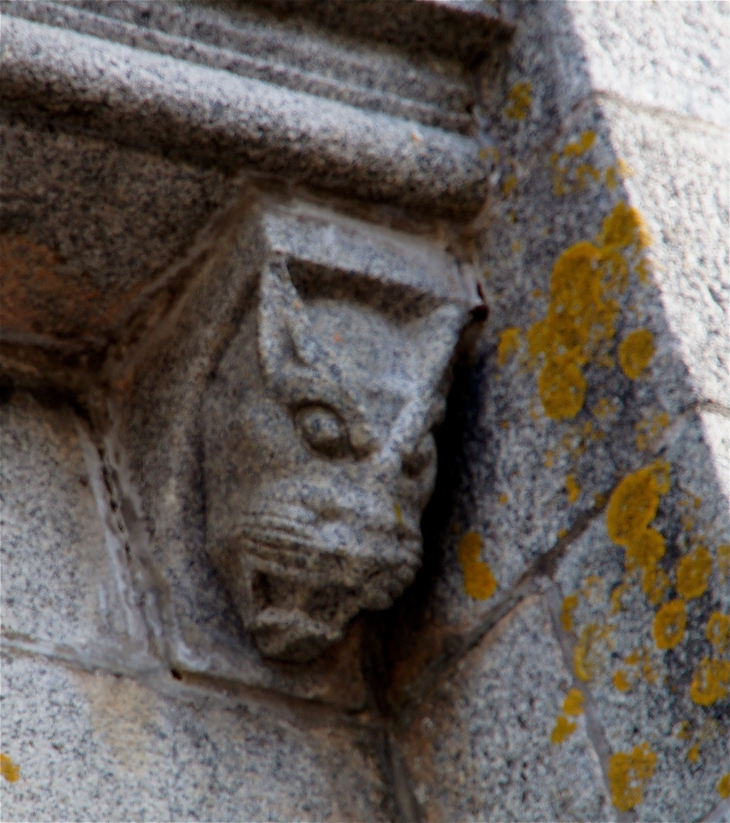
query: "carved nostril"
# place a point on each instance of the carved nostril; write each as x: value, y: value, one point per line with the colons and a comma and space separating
x: 261, y: 591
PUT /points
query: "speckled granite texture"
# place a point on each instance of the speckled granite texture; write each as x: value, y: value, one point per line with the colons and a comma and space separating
x: 563, y: 652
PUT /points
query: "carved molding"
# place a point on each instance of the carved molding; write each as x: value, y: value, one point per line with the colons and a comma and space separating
x: 220, y: 105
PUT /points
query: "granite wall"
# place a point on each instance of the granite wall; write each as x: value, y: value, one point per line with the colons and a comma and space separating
x: 564, y: 652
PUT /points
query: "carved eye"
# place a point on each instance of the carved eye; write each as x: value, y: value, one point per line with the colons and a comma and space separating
x: 323, y: 430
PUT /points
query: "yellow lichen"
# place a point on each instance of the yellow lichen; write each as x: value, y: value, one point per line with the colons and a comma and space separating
x: 693, y: 573
x: 718, y: 631
x: 655, y: 584
x: 605, y: 408
x: 612, y: 177
x: 621, y: 681
x: 509, y: 184
x: 570, y: 603
x: 519, y: 100
x: 572, y: 487
x: 503, y: 499
x: 723, y: 560
x: 669, y: 624
x: 578, y: 319
x: 581, y: 317
x: 710, y: 681
x: 563, y: 728
x: 684, y: 731
x: 593, y: 588
x: 645, y: 550
x: 479, y: 582
x: 649, y: 430
x: 585, y: 170
x: 723, y: 786
x: 581, y: 145
x: 398, y: 511
x: 509, y: 344
x: 628, y: 774
x: 624, y: 169
x: 616, y: 596
x: 9, y: 770
x: 693, y: 755
x: 586, y: 657
x: 635, y: 352
x: 573, y: 703
x: 624, y: 227
x: 635, y: 501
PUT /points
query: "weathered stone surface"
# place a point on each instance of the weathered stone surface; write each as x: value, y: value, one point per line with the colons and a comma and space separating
x: 659, y: 683
x: 679, y: 179
x: 479, y: 747
x: 98, y: 747
x: 233, y: 39
x: 66, y: 586
x: 87, y: 226
x: 530, y: 461
x: 670, y: 56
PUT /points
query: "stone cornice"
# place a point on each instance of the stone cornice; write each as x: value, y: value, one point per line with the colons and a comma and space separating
x: 218, y: 116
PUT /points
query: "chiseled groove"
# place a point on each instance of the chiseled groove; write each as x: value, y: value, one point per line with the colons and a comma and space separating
x: 225, y: 118
x: 594, y: 730
x: 720, y: 814
x: 243, y: 64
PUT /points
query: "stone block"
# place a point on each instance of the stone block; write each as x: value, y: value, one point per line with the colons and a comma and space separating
x: 87, y: 226
x: 524, y: 462
x: 670, y: 56
x: 66, y: 585
x: 483, y: 745
x: 679, y: 178
x: 99, y: 747
x: 647, y: 620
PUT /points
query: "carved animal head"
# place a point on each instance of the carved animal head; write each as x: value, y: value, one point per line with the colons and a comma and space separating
x: 320, y: 455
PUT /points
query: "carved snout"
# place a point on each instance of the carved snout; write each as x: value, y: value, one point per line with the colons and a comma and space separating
x: 299, y: 577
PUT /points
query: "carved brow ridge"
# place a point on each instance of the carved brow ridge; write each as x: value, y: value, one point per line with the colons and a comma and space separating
x: 302, y: 371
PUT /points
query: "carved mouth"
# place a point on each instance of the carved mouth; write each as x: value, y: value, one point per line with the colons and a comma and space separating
x: 291, y: 635
x: 297, y: 594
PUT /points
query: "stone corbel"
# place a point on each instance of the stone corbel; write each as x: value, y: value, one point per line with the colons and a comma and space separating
x: 277, y: 387
x: 282, y: 424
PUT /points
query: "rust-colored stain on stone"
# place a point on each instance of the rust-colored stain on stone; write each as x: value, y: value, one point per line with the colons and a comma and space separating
x: 38, y: 298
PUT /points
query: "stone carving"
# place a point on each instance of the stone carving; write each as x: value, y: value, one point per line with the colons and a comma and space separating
x: 319, y: 447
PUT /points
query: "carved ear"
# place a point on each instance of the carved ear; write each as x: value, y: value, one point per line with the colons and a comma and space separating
x: 439, y: 334
x: 297, y: 367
